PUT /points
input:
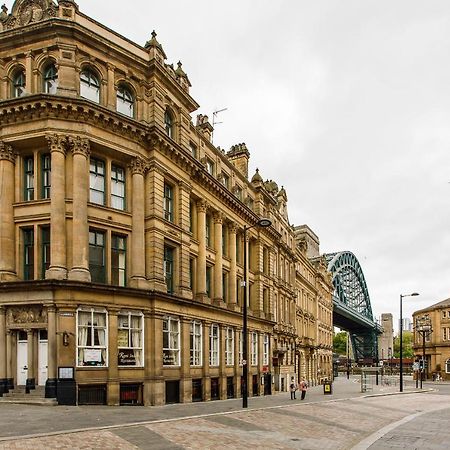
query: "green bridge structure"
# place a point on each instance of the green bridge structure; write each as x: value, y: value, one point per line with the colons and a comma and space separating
x: 352, y: 310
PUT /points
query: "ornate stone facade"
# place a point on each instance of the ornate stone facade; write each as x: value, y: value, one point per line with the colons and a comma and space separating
x: 121, y: 225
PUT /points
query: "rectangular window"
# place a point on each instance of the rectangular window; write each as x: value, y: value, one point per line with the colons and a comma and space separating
x: 117, y: 187
x: 444, y: 314
x: 226, y: 180
x: 130, y: 339
x: 229, y: 346
x: 196, y: 343
x: 238, y: 290
x: 193, y: 149
x: 444, y: 334
x: 225, y: 286
x: 266, y: 346
x: 209, y: 166
x: 97, y: 181
x: 118, y: 260
x: 208, y: 281
x: 191, y: 217
x: 45, y: 250
x: 191, y: 273
x: 214, y: 345
x: 46, y: 175
x: 168, y: 202
x: 171, y: 342
x: 224, y: 241
x: 168, y: 268
x: 28, y: 255
x: 92, y: 338
x: 254, y: 348
x: 208, y: 230
x: 28, y: 164
x: 97, y: 256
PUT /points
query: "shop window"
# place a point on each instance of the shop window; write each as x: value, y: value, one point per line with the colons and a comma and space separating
x: 130, y: 339
x: 89, y: 86
x: 266, y: 350
x: 28, y: 253
x: 50, y: 79
x: 97, y: 181
x: 125, y: 101
x: 168, y: 268
x: 196, y: 343
x: 447, y: 366
x: 131, y: 394
x: 45, y: 250
x: 28, y: 166
x: 19, y: 84
x: 97, y: 256
x: 46, y: 170
x: 254, y: 348
x: 171, y: 342
x: 118, y: 260
x: 117, y: 187
x: 168, y: 202
x: 229, y: 346
x: 214, y: 345
x: 92, y: 338
x: 168, y: 123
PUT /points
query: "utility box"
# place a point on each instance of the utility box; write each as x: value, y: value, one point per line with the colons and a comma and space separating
x: 66, y: 386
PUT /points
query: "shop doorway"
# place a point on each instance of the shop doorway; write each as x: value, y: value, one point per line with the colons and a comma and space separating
x: 22, y: 358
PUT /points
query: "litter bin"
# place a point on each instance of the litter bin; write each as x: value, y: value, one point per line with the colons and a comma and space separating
x: 327, y: 387
x: 66, y: 386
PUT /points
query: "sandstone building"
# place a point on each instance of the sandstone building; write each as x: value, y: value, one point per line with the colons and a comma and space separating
x: 121, y: 224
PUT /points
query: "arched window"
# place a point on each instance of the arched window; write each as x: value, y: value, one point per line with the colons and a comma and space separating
x: 447, y: 366
x: 89, y: 86
x: 19, y: 83
x: 125, y: 101
x: 168, y: 122
x: 50, y: 79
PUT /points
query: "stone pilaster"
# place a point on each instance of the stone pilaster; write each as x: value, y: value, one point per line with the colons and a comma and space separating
x: 148, y: 359
x: 80, y: 235
x: 68, y: 75
x: 3, y: 364
x: 58, y: 261
x: 111, y: 90
x: 222, y: 363
x: 50, y: 384
x: 232, y: 294
x: 138, y: 280
x: 237, y: 367
x: 184, y: 263
x: 206, y: 372
x: 113, y: 385
x: 29, y: 62
x: 7, y: 236
x: 202, y: 207
x: 218, y: 268
x: 31, y: 381
x: 9, y: 353
x: 186, y: 379
x: 156, y: 349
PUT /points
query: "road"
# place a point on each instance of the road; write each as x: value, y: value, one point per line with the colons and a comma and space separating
x: 347, y: 419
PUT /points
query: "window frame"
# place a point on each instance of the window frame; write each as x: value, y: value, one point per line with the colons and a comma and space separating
x: 229, y: 346
x: 28, y: 253
x: 96, y: 245
x: 124, y: 96
x: 46, y: 173
x: 28, y: 178
x: 117, y: 172
x: 196, y: 344
x: 169, y: 266
x: 214, y: 345
x: 45, y: 249
x: 173, y: 342
x: 254, y: 348
x: 168, y: 202
x: 50, y: 79
x: 266, y: 349
x: 116, y: 248
x: 169, y: 123
x: 90, y: 87
x: 94, y: 174
x: 130, y: 329
x: 19, y: 83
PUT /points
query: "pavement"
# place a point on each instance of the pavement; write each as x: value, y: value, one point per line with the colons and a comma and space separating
x: 348, y: 419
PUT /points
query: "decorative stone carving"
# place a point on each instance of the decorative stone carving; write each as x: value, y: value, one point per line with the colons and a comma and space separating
x: 7, y: 152
x: 202, y: 206
x: 26, y: 315
x: 25, y: 12
x: 79, y: 145
x: 138, y: 166
x: 57, y: 142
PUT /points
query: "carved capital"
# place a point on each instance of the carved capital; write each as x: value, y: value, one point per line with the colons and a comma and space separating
x: 7, y: 152
x: 218, y: 217
x: 202, y: 206
x: 138, y: 166
x: 57, y: 143
x: 79, y: 146
x: 233, y: 228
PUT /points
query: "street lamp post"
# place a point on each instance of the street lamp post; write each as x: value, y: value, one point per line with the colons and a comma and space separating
x: 414, y: 294
x: 261, y: 223
x: 423, y: 327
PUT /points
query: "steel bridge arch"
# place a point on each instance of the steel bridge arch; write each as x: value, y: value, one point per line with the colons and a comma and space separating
x: 352, y: 309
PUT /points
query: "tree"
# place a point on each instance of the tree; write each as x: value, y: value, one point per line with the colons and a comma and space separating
x: 340, y: 343
x: 408, y: 351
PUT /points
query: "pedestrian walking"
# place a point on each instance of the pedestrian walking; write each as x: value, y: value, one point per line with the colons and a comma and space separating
x: 303, y: 388
x: 293, y: 388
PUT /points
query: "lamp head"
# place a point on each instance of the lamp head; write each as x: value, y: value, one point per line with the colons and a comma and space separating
x: 264, y: 222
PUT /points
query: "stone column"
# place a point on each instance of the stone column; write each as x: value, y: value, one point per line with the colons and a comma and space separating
x: 202, y: 207
x: 58, y: 262
x: 218, y: 269
x: 113, y: 385
x: 7, y: 241
x: 3, y: 364
x: 31, y: 381
x: 232, y: 294
x: 50, y: 384
x: 80, y: 234
x: 9, y: 349
x: 138, y: 280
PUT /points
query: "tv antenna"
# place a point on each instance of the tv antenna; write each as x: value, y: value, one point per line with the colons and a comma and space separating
x: 214, y: 121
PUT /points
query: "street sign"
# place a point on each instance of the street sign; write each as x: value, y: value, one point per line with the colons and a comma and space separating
x: 416, y: 366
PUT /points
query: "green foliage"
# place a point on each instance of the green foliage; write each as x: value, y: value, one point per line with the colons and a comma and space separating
x: 408, y: 351
x: 340, y: 343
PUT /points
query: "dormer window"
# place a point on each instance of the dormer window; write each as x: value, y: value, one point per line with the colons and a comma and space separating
x: 168, y: 123
x: 50, y: 79
x: 125, y: 101
x: 19, y: 83
x: 89, y: 86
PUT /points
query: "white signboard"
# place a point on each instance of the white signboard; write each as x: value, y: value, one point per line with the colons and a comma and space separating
x: 92, y: 355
